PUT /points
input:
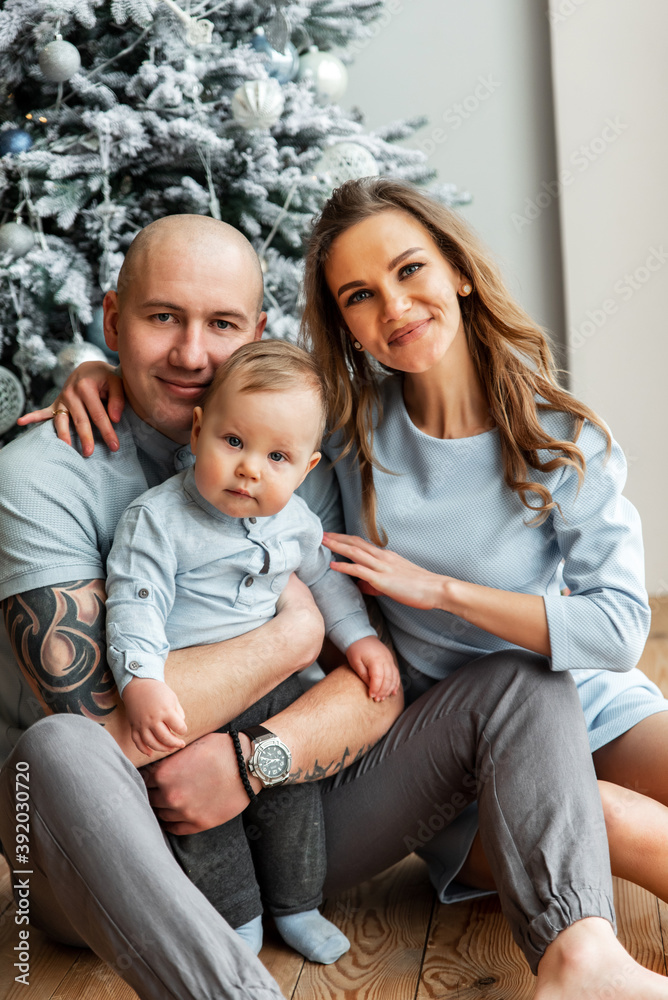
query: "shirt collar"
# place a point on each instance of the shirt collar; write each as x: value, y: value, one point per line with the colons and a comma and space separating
x: 190, y: 486
x: 168, y: 454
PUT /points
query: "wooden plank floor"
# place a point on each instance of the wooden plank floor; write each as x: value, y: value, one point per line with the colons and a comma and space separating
x: 405, y: 946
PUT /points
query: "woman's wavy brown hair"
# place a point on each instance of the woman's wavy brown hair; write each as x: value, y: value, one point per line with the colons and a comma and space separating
x: 510, y: 352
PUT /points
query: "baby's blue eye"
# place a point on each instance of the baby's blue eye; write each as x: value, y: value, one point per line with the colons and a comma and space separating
x: 233, y: 441
x: 276, y: 456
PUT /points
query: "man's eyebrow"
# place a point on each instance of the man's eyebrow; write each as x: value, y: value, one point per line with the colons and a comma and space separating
x: 172, y: 307
x: 390, y: 267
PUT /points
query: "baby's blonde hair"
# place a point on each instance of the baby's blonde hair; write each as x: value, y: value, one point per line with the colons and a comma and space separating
x: 271, y: 366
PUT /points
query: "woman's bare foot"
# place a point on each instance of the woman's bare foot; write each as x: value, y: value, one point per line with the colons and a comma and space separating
x: 587, y: 962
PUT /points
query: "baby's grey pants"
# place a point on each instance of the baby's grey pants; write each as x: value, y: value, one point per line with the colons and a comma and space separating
x: 503, y: 728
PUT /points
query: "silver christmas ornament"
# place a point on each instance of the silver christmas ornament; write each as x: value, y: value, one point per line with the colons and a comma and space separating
x: 59, y: 61
x: 16, y: 238
x: 12, y: 399
x: 73, y: 355
x: 258, y: 103
x: 325, y: 72
x: 346, y: 161
x: 282, y: 64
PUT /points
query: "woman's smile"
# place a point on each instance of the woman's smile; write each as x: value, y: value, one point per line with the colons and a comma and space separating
x: 409, y: 332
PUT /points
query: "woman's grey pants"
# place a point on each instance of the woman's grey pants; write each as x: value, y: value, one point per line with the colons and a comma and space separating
x: 504, y: 729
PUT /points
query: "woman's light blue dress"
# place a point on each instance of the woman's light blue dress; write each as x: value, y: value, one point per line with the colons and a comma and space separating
x: 448, y: 509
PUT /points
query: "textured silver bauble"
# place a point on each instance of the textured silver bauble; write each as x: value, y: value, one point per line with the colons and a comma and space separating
x: 59, y: 61
x: 15, y: 238
x: 258, y: 103
x: 325, y: 72
x: 346, y: 161
x: 73, y: 355
x: 12, y: 399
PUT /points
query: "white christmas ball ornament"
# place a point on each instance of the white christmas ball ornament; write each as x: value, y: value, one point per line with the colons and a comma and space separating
x: 59, y: 61
x: 258, y: 103
x: 15, y: 238
x: 325, y: 72
x: 12, y: 399
x: 73, y: 355
x: 346, y: 161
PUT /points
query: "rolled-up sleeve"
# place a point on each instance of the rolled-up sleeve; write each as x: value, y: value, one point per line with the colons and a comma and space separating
x: 604, y: 622
x: 141, y: 570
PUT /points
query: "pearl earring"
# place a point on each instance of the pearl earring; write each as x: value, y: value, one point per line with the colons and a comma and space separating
x: 466, y: 289
x: 357, y: 345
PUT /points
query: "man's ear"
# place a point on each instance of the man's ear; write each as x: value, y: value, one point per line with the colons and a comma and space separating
x: 196, y: 429
x: 111, y: 314
x: 313, y: 461
x: 261, y: 323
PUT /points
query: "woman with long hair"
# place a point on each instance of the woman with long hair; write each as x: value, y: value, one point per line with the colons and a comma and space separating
x: 454, y: 443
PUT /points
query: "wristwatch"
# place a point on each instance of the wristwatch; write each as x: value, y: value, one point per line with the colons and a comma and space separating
x: 270, y: 759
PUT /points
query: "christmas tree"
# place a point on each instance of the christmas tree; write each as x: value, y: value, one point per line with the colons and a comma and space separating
x: 116, y: 113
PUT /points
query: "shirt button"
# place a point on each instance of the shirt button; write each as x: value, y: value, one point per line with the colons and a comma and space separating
x: 143, y: 592
x: 253, y: 520
x: 134, y: 665
x: 248, y: 582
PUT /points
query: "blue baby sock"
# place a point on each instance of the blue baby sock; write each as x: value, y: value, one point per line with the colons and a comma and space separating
x: 312, y: 936
x: 252, y: 933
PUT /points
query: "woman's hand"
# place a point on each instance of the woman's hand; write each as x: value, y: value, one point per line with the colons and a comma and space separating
x: 81, y: 398
x: 385, y: 572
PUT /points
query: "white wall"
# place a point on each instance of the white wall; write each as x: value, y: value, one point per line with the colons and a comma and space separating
x: 480, y: 72
x: 611, y: 87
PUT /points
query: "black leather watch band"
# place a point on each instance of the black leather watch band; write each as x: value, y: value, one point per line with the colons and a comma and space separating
x: 254, y: 732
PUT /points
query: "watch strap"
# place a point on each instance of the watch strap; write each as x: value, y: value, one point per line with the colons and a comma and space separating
x: 242, y: 763
x: 255, y: 732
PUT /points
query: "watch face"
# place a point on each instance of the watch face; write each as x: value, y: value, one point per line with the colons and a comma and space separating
x: 272, y: 761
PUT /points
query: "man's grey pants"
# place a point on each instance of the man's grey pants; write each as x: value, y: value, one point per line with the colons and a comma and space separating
x: 504, y: 729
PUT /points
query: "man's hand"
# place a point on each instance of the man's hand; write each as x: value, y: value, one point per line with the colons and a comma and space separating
x: 373, y: 662
x: 199, y: 787
x: 155, y: 715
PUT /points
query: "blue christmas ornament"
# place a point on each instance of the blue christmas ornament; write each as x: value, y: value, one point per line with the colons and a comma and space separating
x: 14, y: 140
x: 95, y: 334
x: 283, y: 66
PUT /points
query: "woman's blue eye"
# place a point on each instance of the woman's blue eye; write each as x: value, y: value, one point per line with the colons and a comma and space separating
x: 276, y: 456
x: 234, y: 442
x: 355, y: 297
x: 410, y: 269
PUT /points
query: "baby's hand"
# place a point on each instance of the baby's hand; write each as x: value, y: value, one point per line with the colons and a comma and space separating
x: 374, y: 663
x: 155, y: 715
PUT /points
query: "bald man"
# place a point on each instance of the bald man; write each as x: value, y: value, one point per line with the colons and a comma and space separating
x: 97, y: 868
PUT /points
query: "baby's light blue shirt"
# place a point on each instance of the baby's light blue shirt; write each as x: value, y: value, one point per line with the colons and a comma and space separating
x: 182, y: 573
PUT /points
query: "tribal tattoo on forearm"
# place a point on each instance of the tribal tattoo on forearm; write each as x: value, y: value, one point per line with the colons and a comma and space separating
x: 319, y: 771
x: 58, y: 637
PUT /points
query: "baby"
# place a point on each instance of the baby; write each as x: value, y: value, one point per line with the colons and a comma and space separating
x: 204, y: 557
